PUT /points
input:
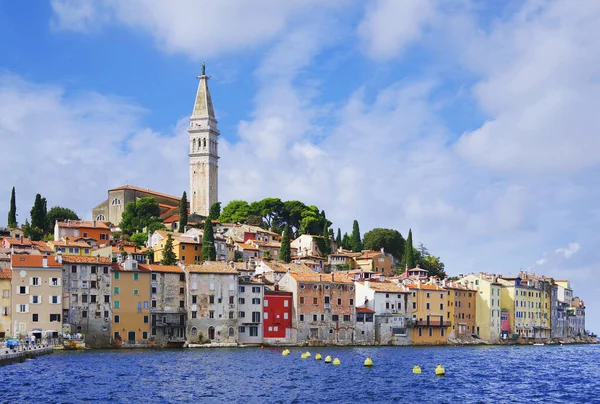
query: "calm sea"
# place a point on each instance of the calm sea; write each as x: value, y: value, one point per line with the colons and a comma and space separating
x: 546, y: 374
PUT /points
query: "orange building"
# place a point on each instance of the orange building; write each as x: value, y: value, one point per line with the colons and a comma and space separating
x: 92, y: 232
x: 461, y: 309
x: 375, y: 261
x: 131, y: 302
x: 188, y: 250
x: 429, y: 311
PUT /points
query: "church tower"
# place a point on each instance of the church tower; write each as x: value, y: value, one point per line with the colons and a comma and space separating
x: 204, y: 152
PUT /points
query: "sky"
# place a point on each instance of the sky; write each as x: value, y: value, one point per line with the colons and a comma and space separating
x: 470, y: 122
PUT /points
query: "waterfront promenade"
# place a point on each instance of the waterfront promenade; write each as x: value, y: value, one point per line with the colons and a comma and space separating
x: 21, y: 352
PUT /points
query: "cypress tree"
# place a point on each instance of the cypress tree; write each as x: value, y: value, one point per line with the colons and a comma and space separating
x: 183, y: 212
x: 409, y: 256
x: 39, y: 225
x: 355, y: 241
x: 285, y: 253
x: 209, y: 252
x: 169, y: 257
x: 215, y: 211
x: 346, y: 242
x: 12, y: 213
x: 338, y: 239
x: 326, y: 242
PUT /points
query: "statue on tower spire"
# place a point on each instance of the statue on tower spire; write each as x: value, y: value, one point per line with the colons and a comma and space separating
x: 203, y: 69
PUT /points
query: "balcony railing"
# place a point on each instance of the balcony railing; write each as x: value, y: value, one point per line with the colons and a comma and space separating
x: 432, y: 323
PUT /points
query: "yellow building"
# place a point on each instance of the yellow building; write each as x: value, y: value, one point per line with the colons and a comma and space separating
x: 131, y: 303
x: 542, y: 306
x: 70, y: 247
x: 487, y: 304
x: 462, y: 313
x: 188, y: 250
x: 5, y: 306
x: 429, y: 313
x: 523, y: 305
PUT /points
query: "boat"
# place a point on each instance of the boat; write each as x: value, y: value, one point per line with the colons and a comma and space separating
x: 538, y: 344
x: 73, y: 344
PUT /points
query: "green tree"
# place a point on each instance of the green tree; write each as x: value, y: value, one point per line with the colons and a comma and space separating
x: 139, y: 239
x: 326, y: 242
x: 34, y: 233
x: 433, y: 265
x: 338, y: 239
x: 209, y: 252
x: 236, y: 211
x: 355, y: 241
x: 390, y: 240
x: 169, y: 257
x: 215, y: 211
x: 346, y: 242
x: 59, y: 214
x: 269, y: 210
x: 409, y: 252
x: 285, y: 253
x: 12, y: 213
x: 140, y: 214
x: 38, y: 218
x: 183, y: 212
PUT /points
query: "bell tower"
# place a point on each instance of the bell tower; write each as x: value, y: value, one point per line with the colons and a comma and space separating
x: 204, y: 151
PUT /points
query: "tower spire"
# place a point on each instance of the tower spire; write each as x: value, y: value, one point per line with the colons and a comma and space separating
x: 203, y: 106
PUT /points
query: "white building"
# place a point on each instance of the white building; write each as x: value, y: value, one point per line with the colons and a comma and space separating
x: 250, y: 312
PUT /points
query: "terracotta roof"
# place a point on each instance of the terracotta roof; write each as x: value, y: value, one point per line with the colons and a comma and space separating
x: 70, y: 244
x: 246, y: 246
x: 42, y: 246
x: 293, y: 267
x: 386, y: 287
x: 162, y: 268
x: 211, y: 267
x: 369, y: 254
x: 71, y: 259
x: 119, y: 267
x: 83, y: 223
x: 5, y: 273
x: 364, y: 310
x: 16, y: 241
x: 337, y: 277
x: 132, y: 187
x: 426, y: 287
x: 171, y: 219
x: 33, y: 261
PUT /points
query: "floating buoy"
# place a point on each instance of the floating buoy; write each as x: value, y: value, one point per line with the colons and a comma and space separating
x: 368, y: 362
x: 285, y: 353
x: 328, y: 359
x: 417, y: 370
x: 318, y: 356
x: 307, y: 354
x: 303, y: 356
x: 336, y: 362
x: 439, y: 370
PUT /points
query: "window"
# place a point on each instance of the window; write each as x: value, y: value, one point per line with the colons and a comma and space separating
x: 285, y: 316
x: 255, y: 289
x: 136, y: 276
x: 54, y: 282
x: 430, y: 331
x: 54, y: 317
x: 242, y: 314
x: 106, y: 298
x: 84, y: 298
x: 117, y: 304
x: 93, y: 284
x: 22, y: 290
x: 255, y: 300
x: 326, y: 299
x: 100, y: 218
x: 256, y: 316
x: 339, y: 302
x: 241, y: 329
x: 301, y: 299
x: 183, y: 247
x: 231, y: 315
x: 346, y: 317
x: 144, y: 334
x: 35, y: 317
x: 153, y: 290
x: 22, y: 308
x: 194, y: 314
x: 92, y: 298
x: 441, y: 306
x: 105, y: 270
x: 351, y: 302
x: 136, y: 292
x: 181, y: 304
x: 242, y: 289
x: 116, y: 290
x: 115, y: 202
x: 231, y: 331
x: 93, y: 270
x: 286, y: 303
x: 427, y: 306
x: 54, y: 299
x: 183, y: 258
x: 35, y: 281
x: 414, y: 305
x: 73, y: 267
x: 145, y: 319
x: 181, y: 277
x: 427, y: 295
x: 35, y: 299
x: 84, y: 314
x: 153, y: 304
x: 335, y: 317
x: 301, y: 317
x: 315, y: 318
x: 116, y: 276
x: 211, y: 299
x: 231, y: 299
x: 253, y: 331
x: 211, y: 314
x: 194, y: 299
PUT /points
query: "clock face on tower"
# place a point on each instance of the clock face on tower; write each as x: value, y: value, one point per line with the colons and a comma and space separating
x: 23, y: 274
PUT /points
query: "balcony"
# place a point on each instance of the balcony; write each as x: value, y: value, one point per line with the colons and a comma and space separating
x: 432, y: 323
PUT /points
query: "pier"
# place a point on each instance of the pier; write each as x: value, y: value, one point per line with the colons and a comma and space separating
x: 19, y: 354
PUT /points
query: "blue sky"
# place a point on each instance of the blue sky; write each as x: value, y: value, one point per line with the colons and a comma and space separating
x: 471, y: 122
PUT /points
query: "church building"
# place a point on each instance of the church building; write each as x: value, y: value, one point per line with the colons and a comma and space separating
x: 204, y: 169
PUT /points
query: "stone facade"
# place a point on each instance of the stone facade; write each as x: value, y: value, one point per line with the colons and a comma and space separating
x: 87, y: 299
x: 212, y: 292
x: 168, y: 312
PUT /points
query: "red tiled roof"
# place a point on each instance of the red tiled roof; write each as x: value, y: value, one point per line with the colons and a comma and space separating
x: 71, y: 259
x: 33, y: 261
x: 211, y: 267
x: 364, y: 310
x: 161, y: 268
x: 83, y: 223
x: 5, y: 273
x: 338, y: 277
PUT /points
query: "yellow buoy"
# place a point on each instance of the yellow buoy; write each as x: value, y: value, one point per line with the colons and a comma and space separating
x: 368, y: 361
x: 328, y: 359
x: 318, y: 356
x: 417, y: 370
x: 307, y: 354
x: 439, y: 370
x: 303, y: 356
x: 336, y: 362
x: 285, y: 353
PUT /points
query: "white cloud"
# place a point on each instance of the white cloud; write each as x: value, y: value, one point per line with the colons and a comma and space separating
x: 389, y: 26
x: 539, y: 87
x: 571, y: 249
x: 195, y: 28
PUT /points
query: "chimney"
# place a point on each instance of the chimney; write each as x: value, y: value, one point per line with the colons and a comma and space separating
x: 21, y: 239
x: 367, y: 283
x: 382, y: 250
x: 45, y: 261
x: 59, y: 257
x: 98, y: 258
x: 276, y: 287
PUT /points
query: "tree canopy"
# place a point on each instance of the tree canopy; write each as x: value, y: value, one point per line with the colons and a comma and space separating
x: 272, y: 213
x: 355, y: 241
x: 139, y: 239
x: 215, y: 211
x: 12, y: 212
x: 285, y: 253
x: 430, y: 262
x: 58, y: 213
x: 140, y: 214
x: 390, y: 240
x: 409, y: 252
x: 209, y: 252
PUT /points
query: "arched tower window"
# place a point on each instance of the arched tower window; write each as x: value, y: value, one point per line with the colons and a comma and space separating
x: 115, y: 202
x: 194, y: 145
x: 204, y: 143
x: 100, y: 218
